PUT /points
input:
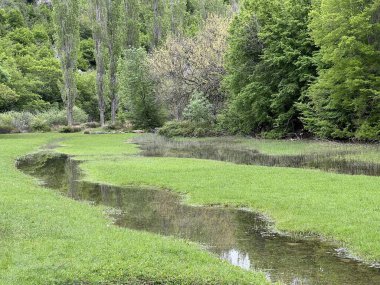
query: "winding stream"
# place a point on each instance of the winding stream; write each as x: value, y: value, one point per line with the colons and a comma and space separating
x: 334, y: 161
x: 240, y: 237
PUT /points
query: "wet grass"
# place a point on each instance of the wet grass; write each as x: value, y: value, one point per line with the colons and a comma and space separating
x: 340, y: 207
x: 363, y: 152
x: 46, y: 238
x: 340, y: 158
x: 241, y: 237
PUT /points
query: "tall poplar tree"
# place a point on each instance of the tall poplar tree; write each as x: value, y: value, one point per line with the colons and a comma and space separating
x: 131, y: 21
x: 66, y: 21
x: 113, y: 8
x: 99, y: 35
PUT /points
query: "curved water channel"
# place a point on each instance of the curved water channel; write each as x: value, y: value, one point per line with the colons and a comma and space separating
x: 241, y: 237
x: 333, y: 161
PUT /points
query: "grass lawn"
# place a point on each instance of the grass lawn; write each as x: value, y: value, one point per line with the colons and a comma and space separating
x: 46, y: 238
x: 341, y: 207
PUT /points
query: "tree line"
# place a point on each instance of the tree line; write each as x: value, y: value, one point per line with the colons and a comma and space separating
x: 273, y: 69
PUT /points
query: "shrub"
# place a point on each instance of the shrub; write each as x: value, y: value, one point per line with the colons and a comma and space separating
x: 22, y: 121
x: 55, y: 117
x: 6, y: 125
x: 92, y: 125
x: 366, y: 132
x: 40, y: 125
x: 15, y: 121
x: 187, y: 129
x: 199, y: 109
x: 73, y: 129
x: 113, y: 127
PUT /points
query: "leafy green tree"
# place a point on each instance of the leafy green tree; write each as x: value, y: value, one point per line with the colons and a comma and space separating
x: 4, y: 75
x: 269, y: 67
x: 8, y: 98
x: 15, y: 19
x: 86, y: 58
x: 344, y: 102
x: 87, y: 99
x: 137, y: 91
x: 131, y: 23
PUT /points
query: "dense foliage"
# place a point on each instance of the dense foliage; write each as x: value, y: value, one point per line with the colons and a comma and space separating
x: 137, y: 91
x: 269, y: 67
x: 293, y: 65
x: 274, y: 68
x: 344, y: 102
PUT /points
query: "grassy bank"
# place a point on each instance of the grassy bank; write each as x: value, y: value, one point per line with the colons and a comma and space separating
x: 340, y: 207
x: 49, y: 239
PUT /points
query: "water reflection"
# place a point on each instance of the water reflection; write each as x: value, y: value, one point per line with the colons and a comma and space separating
x: 337, y: 161
x: 240, y: 237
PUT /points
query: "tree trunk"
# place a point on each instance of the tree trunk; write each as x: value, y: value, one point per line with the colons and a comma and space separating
x: 114, y: 41
x: 100, y: 71
x: 113, y: 88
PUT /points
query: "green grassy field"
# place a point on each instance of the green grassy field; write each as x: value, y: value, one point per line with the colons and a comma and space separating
x: 49, y: 239
x: 46, y: 238
x: 340, y: 207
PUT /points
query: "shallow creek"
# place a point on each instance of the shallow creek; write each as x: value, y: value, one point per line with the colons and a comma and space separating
x: 333, y: 161
x: 241, y: 237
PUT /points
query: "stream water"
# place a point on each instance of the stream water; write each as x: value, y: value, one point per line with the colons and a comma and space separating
x: 335, y: 161
x: 241, y: 237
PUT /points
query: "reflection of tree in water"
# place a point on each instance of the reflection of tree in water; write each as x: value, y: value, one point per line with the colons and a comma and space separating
x: 48, y: 167
x: 161, y: 212
x: 292, y: 261
x: 216, y: 149
x: 240, y: 237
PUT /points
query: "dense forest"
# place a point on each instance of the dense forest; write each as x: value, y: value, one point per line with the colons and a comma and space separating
x: 274, y: 69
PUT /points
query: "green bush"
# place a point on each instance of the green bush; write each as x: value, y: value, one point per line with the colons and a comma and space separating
x: 92, y: 125
x: 73, y: 129
x: 6, y: 125
x: 55, y: 117
x: 199, y: 109
x: 15, y: 122
x: 366, y: 132
x: 22, y: 121
x: 39, y: 125
x: 187, y: 129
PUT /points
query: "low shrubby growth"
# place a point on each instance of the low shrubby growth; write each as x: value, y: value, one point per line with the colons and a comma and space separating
x: 199, y: 120
x: 56, y: 117
x: 92, y: 125
x: 187, y: 129
x: 17, y: 122
x: 70, y: 129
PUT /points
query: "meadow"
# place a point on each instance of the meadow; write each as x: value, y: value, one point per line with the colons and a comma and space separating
x: 48, y: 238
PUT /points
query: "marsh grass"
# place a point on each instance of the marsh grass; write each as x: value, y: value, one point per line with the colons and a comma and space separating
x: 338, y: 160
